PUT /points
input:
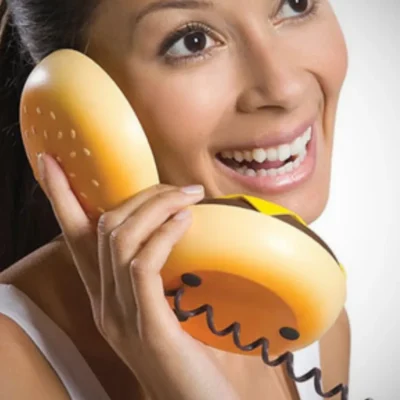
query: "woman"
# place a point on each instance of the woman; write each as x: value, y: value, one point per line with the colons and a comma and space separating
x: 210, y: 82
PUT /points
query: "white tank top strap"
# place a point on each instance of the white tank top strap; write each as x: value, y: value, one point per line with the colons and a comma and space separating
x: 72, y: 369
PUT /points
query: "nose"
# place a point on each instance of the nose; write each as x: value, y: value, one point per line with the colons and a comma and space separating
x: 274, y: 79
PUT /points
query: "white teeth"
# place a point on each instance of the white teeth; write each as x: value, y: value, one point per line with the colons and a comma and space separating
x: 281, y: 170
x: 284, y: 152
x: 272, y: 154
x: 296, y: 146
x: 262, y: 172
x: 281, y: 153
x: 250, y: 172
x: 296, y: 162
x: 287, y: 168
x: 260, y: 155
x: 238, y: 156
x: 302, y: 155
x: 307, y: 133
x: 227, y: 154
x: 248, y: 155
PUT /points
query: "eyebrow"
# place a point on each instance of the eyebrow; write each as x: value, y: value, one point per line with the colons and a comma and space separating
x: 178, y: 4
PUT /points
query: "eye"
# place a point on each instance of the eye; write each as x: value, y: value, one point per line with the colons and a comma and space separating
x: 191, y: 41
x: 294, y: 8
x: 191, y: 44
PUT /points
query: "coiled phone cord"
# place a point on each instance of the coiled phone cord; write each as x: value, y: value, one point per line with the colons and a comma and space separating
x: 234, y: 328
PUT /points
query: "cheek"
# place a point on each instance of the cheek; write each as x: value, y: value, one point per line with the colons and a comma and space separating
x: 323, y: 54
x: 319, y: 48
x: 181, y: 107
x: 330, y: 68
x: 329, y: 59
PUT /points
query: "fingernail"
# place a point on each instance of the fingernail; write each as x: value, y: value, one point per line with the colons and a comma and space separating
x: 41, y: 166
x: 193, y: 189
x: 182, y: 214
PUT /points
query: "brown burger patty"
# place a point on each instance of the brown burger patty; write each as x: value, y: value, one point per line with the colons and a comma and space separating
x: 289, y: 219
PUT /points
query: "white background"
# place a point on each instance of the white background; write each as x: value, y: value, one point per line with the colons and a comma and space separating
x: 362, y: 220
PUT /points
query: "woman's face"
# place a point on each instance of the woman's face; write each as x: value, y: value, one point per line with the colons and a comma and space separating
x: 238, y: 95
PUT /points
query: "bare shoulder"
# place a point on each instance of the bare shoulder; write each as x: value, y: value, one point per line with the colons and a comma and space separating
x: 24, y: 371
x: 50, y: 279
x: 335, y: 353
x: 43, y: 260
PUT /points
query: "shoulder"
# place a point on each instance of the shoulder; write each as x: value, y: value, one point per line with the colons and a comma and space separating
x: 49, y: 278
x: 39, y: 261
x: 22, y: 362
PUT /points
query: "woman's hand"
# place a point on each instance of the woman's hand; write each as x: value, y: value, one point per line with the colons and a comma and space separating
x: 120, y: 264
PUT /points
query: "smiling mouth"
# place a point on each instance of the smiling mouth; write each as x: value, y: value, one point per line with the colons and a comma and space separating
x: 270, y: 161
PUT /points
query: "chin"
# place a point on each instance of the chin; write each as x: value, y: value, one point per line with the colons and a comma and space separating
x: 310, y: 200
x: 312, y: 206
x: 314, y: 211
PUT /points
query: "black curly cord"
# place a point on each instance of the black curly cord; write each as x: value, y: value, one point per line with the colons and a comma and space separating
x: 263, y: 342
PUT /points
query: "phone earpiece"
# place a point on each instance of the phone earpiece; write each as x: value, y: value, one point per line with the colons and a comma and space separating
x: 71, y: 109
x: 244, y: 260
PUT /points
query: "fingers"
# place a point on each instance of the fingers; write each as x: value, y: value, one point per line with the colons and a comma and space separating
x: 112, y: 219
x: 153, y: 309
x: 108, y: 223
x: 73, y: 221
x: 69, y: 212
x: 129, y: 238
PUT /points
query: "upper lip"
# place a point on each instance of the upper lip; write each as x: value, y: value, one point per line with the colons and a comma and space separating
x: 272, y: 139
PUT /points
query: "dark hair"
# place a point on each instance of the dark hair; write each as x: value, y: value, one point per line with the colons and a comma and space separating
x: 29, y: 31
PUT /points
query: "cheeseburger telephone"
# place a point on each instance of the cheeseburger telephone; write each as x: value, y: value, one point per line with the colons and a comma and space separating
x: 267, y: 290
